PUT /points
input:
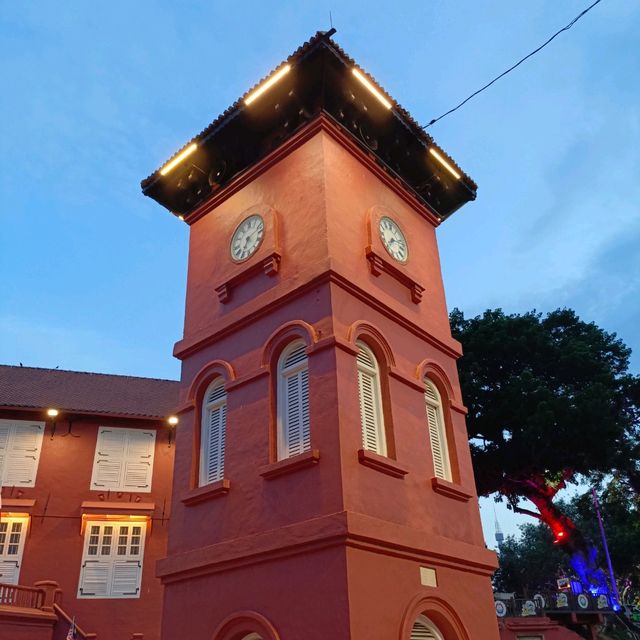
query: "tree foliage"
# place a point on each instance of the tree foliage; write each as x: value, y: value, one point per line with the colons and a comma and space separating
x: 550, y: 398
x: 532, y: 562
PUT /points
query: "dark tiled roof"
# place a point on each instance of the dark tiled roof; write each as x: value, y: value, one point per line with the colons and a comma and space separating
x: 87, y: 392
x: 161, y: 187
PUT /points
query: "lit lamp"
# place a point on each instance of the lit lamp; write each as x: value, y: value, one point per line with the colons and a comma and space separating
x: 172, y: 421
x: 53, y: 414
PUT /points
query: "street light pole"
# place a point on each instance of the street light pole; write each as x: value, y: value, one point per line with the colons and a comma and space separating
x: 614, y: 587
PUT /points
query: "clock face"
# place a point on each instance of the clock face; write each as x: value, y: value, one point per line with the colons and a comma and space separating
x: 247, y: 238
x: 393, y: 239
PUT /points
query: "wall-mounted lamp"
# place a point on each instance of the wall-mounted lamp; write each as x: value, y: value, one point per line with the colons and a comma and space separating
x: 172, y: 421
x: 53, y: 414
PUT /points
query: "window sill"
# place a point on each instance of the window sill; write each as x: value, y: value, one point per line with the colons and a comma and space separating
x: 382, y: 463
x: 289, y: 465
x: 207, y: 492
x: 451, y: 490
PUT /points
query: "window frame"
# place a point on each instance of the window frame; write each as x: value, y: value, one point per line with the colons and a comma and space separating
x: 283, y: 374
x: 6, y: 541
x: 378, y: 404
x: 429, y: 626
x: 9, y: 452
x: 115, y: 542
x: 205, y: 433
x: 125, y: 458
x: 440, y: 428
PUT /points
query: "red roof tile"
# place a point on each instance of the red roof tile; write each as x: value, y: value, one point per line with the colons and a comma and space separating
x: 87, y: 392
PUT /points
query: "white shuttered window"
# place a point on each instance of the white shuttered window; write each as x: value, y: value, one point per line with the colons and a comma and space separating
x: 424, y: 629
x: 20, y: 446
x: 437, y: 431
x: 123, y: 459
x: 371, y: 413
x: 214, y: 426
x: 13, y: 531
x: 294, y: 433
x: 112, y: 559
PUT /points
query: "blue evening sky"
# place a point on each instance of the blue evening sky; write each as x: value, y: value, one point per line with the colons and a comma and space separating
x: 95, y: 96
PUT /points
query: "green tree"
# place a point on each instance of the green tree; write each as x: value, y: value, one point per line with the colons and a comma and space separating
x: 551, y: 400
x: 530, y: 563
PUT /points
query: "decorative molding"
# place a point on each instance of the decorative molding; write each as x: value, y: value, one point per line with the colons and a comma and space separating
x: 123, y: 507
x: 333, y: 341
x: 289, y: 465
x: 13, y: 504
x: 247, y: 378
x: 460, y: 408
x: 408, y: 380
x: 334, y: 530
x: 211, y: 335
x: 206, y: 374
x: 270, y: 265
x: 379, y: 265
x: 451, y: 490
x: 244, y: 624
x: 283, y: 335
x: 382, y: 464
x: 185, y: 407
x: 207, y: 492
x: 323, y: 123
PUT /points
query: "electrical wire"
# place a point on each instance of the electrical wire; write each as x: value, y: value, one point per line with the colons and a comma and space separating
x: 517, y: 64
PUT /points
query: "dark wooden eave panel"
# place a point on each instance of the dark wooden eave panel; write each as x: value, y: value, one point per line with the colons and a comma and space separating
x: 320, y: 81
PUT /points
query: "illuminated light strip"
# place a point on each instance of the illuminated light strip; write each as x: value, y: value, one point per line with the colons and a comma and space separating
x: 178, y: 159
x: 444, y: 163
x: 267, y: 84
x: 371, y: 88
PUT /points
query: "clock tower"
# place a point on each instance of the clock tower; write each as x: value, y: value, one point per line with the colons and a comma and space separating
x: 323, y: 486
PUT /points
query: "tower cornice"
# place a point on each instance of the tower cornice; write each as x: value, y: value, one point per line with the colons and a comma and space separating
x: 318, y: 79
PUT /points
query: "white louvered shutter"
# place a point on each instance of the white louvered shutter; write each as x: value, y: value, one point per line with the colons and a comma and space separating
x: 138, y: 464
x: 423, y: 630
x: 94, y: 579
x: 123, y: 459
x: 294, y: 435
x: 5, y: 427
x: 214, y: 426
x: 437, y: 433
x: 20, y: 447
x: 125, y: 579
x: 109, y: 458
x: 112, y: 560
x: 371, y: 416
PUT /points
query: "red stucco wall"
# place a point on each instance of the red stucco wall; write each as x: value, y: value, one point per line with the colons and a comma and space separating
x: 331, y: 549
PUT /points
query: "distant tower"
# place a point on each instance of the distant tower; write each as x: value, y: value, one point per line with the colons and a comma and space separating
x: 323, y: 487
x: 499, y: 534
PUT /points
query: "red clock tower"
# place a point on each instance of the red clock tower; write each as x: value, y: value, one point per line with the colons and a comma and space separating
x: 323, y: 486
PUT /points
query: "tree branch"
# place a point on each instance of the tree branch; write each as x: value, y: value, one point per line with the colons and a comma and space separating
x: 527, y: 512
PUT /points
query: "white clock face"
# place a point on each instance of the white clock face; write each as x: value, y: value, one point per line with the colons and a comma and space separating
x: 247, y: 238
x: 393, y: 239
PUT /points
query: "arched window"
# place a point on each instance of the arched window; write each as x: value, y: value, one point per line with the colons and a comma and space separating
x: 371, y: 413
x: 424, y: 629
x: 213, y: 427
x: 437, y: 431
x: 294, y: 435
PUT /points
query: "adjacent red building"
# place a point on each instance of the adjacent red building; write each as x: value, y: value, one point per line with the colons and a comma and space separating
x: 86, y: 495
